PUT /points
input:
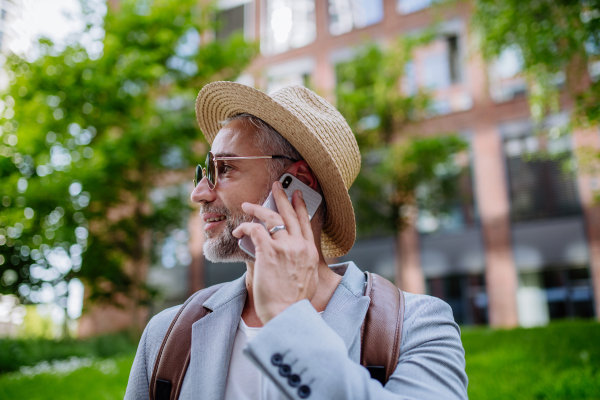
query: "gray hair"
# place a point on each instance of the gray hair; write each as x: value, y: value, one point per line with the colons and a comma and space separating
x: 272, y: 143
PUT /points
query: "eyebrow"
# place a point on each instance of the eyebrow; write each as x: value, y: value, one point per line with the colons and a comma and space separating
x: 226, y: 155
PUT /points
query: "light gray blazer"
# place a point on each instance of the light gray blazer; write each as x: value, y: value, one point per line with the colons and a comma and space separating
x: 323, y: 350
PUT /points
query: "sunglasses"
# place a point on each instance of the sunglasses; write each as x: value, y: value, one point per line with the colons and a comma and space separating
x: 211, y: 171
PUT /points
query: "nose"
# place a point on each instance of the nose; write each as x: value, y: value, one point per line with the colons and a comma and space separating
x: 202, y: 194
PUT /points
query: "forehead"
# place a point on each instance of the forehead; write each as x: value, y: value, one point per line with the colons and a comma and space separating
x: 236, y: 137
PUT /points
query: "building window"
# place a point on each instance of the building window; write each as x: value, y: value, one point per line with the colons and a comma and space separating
x: 288, y: 25
x: 506, y: 81
x: 410, y: 6
x: 540, y: 185
x: 465, y: 294
x: 345, y: 15
x: 554, y: 294
x: 569, y: 293
x: 229, y: 22
x: 453, y: 59
x: 436, y: 74
x: 295, y: 72
x: 279, y: 82
x: 441, y: 63
x: 458, y: 214
x: 234, y: 17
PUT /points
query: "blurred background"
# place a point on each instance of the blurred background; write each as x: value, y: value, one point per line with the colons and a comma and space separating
x: 480, y: 183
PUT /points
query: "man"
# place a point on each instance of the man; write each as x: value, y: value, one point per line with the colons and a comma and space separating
x: 291, y: 308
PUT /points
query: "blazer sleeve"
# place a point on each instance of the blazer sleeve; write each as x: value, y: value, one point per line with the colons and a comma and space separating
x: 298, y: 342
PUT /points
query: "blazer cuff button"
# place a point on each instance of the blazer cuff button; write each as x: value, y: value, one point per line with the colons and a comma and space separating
x: 277, y: 359
x: 294, y: 380
x: 303, y: 391
x: 285, y: 370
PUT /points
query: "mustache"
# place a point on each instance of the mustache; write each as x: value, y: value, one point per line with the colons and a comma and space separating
x: 210, y: 208
x: 233, y: 220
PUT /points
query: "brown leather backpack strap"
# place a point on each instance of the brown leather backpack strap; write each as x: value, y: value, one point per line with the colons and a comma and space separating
x: 174, y: 355
x: 381, y: 335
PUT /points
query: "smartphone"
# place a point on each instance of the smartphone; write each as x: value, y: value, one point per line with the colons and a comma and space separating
x: 290, y: 185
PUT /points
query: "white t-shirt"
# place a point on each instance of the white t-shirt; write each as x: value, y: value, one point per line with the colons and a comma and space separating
x: 244, y: 380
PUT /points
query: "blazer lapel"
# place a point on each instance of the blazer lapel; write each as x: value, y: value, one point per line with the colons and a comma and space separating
x: 348, y: 306
x: 213, y: 335
x: 212, y: 341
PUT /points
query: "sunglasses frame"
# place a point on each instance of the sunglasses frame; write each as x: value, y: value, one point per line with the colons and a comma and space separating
x: 202, y: 170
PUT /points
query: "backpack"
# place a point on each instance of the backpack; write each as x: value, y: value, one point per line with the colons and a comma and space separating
x: 381, y: 336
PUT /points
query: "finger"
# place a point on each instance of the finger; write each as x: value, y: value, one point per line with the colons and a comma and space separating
x: 269, y: 217
x: 287, y: 212
x: 257, y: 233
x: 303, y: 217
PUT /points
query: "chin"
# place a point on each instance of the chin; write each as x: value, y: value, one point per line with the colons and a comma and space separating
x: 218, y: 252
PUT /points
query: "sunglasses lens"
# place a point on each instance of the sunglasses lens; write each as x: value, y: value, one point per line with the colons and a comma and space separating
x: 211, y: 173
x: 198, y: 175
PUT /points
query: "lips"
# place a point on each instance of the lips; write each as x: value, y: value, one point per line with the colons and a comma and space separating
x: 212, y: 220
x: 216, y: 219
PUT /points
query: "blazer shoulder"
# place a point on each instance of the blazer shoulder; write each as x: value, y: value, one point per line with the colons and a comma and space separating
x: 420, y: 305
x: 148, y: 348
x: 428, y: 318
x: 158, y: 326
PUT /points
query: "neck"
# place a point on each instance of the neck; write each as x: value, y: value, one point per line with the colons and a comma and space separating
x: 328, y: 282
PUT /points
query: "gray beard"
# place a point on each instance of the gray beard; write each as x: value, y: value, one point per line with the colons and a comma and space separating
x: 224, y: 247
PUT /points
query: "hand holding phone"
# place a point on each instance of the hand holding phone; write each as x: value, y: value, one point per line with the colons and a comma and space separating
x: 290, y: 185
x: 286, y: 263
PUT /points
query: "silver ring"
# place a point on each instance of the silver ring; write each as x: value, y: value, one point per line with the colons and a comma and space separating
x: 277, y: 228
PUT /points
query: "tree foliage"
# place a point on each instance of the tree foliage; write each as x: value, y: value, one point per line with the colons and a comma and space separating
x: 371, y: 92
x: 419, y: 171
x: 400, y: 170
x: 552, y: 37
x: 88, y: 137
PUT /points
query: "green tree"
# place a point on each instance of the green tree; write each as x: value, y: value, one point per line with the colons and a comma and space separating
x: 552, y: 38
x: 400, y: 170
x: 88, y: 132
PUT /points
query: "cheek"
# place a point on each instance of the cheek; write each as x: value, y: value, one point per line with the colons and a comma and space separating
x: 253, y: 187
x: 255, y: 192
x: 232, y: 197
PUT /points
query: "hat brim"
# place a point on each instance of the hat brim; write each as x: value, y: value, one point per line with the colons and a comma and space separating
x: 219, y: 101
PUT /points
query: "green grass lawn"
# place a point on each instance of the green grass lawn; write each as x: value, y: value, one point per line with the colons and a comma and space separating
x: 103, y: 380
x: 560, y: 361
x: 14, y: 353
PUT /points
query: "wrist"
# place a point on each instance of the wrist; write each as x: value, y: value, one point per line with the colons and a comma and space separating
x: 270, y: 312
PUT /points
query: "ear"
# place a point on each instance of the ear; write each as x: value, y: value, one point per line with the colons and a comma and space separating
x: 303, y: 173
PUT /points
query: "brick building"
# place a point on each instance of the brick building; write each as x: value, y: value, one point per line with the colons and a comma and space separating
x: 522, y: 245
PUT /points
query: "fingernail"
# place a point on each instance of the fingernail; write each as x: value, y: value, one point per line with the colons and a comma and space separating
x: 279, y: 185
x: 300, y: 194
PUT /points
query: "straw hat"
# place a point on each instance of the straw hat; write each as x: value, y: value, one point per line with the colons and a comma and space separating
x: 314, y: 127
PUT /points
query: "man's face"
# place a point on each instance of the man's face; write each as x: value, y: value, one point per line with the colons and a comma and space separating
x: 239, y: 181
